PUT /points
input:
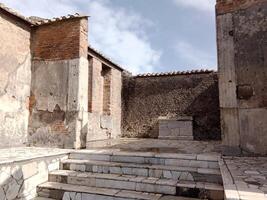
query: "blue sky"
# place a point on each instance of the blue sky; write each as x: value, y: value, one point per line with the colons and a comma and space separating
x: 142, y: 35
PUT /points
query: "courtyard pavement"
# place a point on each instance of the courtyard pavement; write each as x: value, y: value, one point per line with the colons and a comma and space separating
x: 246, y: 178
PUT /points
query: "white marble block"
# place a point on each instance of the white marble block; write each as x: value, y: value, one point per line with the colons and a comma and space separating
x: 180, y: 128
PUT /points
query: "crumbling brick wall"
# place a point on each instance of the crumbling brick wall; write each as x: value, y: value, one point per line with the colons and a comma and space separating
x: 60, y: 40
x: 146, y: 98
x: 15, y: 80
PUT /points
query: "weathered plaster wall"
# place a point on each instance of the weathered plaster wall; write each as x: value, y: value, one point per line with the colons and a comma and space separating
x: 116, y: 102
x: 103, y: 125
x: 242, y: 50
x: 55, y: 107
x: 147, y: 98
x: 59, y: 93
x: 15, y: 80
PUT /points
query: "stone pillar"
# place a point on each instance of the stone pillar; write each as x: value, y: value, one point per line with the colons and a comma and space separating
x: 59, y: 91
x: 242, y: 55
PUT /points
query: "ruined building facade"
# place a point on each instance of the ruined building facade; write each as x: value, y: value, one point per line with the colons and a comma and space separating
x: 48, y: 95
x: 57, y: 91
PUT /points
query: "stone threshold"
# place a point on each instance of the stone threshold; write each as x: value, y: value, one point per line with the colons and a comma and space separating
x: 118, y: 152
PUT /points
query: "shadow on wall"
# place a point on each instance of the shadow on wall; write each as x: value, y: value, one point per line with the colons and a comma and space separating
x: 147, y: 98
x: 206, y: 122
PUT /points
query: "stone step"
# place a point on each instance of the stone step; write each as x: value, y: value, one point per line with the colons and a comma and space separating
x: 67, y: 191
x: 157, y: 171
x: 137, y: 183
x: 180, y: 137
x: 183, y: 160
x: 176, y: 198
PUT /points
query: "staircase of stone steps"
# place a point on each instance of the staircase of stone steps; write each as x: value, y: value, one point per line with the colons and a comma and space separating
x: 120, y: 175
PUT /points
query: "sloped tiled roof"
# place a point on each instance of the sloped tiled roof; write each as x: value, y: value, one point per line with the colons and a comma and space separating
x: 100, y: 54
x: 15, y: 13
x: 37, y: 21
x: 174, y: 73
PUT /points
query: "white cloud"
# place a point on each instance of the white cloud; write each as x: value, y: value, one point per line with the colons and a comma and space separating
x: 202, y: 5
x: 194, y: 57
x: 118, y: 33
x: 122, y: 35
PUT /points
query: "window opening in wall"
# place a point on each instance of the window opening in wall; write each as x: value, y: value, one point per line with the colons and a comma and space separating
x: 106, y: 75
x: 90, y: 83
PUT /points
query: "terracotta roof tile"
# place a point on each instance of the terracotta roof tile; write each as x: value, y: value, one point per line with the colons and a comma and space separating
x: 37, y: 21
x: 15, y: 13
x: 105, y: 57
x: 57, y: 19
x: 174, y: 73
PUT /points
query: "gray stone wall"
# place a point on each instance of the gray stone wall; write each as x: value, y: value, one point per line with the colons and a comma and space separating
x: 242, y: 50
x: 15, y: 80
x: 147, y: 98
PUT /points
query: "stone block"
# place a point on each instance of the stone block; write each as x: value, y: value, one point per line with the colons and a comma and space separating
x: 77, y: 167
x: 106, y: 122
x: 127, y: 170
x: 115, y: 170
x: 16, y: 172
x: 29, y: 169
x: 85, y: 156
x: 53, y: 166
x: 12, y: 189
x: 167, y: 174
x: 2, y: 194
x: 154, y: 161
x: 181, y: 129
x: 104, y: 183
x: 128, y: 159
x: 91, y: 182
x: 188, y: 131
x: 158, y: 173
x: 140, y: 171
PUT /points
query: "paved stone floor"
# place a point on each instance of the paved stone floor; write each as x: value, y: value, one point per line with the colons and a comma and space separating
x: 249, y: 176
x: 158, y: 146
x: 27, y: 153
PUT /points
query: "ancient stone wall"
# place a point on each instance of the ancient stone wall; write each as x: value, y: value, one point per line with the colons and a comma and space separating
x: 242, y: 50
x: 105, y: 85
x: 59, y: 88
x: 15, y: 80
x: 147, y: 98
